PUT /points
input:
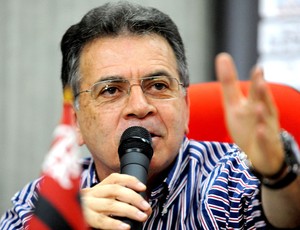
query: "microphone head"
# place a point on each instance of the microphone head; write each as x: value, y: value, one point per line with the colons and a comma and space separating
x: 136, y: 137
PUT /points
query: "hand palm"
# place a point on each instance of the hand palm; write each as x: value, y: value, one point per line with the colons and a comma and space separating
x: 252, y: 121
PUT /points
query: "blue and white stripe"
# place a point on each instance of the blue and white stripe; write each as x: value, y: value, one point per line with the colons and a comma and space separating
x: 208, y: 187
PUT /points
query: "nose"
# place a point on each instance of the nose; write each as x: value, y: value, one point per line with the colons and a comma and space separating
x: 137, y: 104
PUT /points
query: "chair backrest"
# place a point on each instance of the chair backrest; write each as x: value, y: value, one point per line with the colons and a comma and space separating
x: 207, y: 121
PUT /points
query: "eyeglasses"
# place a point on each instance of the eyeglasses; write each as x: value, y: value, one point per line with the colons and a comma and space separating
x: 156, y: 87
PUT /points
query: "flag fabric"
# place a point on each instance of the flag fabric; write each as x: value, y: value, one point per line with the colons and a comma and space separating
x: 58, y: 205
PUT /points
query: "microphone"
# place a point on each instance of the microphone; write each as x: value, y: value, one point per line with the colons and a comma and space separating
x: 135, y: 153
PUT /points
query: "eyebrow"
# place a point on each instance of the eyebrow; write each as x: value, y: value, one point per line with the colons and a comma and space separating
x: 109, y: 78
x: 119, y: 77
x: 158, y: 73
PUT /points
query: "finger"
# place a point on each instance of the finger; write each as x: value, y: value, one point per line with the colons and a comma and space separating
x: 227, y: 76
x: 117, y: 192
x: 111, y: 207
x: 126, y: 181
x: 256, y: 73
x: 101, y: 221
x: 260, y: 91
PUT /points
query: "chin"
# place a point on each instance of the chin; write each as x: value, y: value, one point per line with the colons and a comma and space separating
x: 157, y: 165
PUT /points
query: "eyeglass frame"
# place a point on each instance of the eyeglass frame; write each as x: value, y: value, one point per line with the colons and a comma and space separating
x: 116, y: 79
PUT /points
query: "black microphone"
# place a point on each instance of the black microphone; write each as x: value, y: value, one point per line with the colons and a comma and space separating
x: 135, y: 153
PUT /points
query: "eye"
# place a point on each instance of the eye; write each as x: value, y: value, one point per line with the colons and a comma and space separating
x: 156, y: 84
x: 109, y: 89
x: 160, y: 85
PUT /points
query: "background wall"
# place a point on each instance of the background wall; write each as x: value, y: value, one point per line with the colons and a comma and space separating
x: 30, y: 90
x: 235, y: 31
x: 279, y: 41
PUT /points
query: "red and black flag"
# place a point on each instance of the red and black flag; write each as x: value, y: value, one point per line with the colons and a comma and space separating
x: 58, y: 205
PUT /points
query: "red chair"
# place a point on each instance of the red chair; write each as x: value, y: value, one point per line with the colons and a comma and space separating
x: 207, y: 118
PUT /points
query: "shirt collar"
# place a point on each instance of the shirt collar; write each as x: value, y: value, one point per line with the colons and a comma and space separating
x: 89, y: 176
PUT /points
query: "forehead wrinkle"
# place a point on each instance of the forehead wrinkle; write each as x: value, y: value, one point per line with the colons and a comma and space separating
x: 120, y: 77
x: 131, y: 73
x: 158, y: 73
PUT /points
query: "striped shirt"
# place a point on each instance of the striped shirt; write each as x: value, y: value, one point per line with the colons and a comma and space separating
x: 208, y: 187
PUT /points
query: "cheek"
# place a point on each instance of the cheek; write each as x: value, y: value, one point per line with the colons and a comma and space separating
x: 86, y: 118
x: 97, y: 127
x: 86, y: 124
x: 176, y: 117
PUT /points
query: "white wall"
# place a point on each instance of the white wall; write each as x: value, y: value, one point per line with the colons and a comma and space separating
x: 30, y: 89
x: 279, y: 41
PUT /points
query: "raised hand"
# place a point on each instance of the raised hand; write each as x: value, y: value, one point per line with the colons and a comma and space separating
x: 252, y: 120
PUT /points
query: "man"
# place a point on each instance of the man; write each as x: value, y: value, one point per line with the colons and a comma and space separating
x: 127, y: 67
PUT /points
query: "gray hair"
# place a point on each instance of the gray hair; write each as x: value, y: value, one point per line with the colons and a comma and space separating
x: 114, y: 19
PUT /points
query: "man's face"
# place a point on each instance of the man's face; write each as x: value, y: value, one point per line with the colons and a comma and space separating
x: 100, y: 126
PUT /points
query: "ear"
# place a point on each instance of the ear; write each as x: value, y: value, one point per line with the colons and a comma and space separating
x: 187, y: 119
x: 80, y: 140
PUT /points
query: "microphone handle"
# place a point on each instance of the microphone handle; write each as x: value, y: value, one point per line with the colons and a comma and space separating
x: 135, y: 163
x: 135, y: 225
